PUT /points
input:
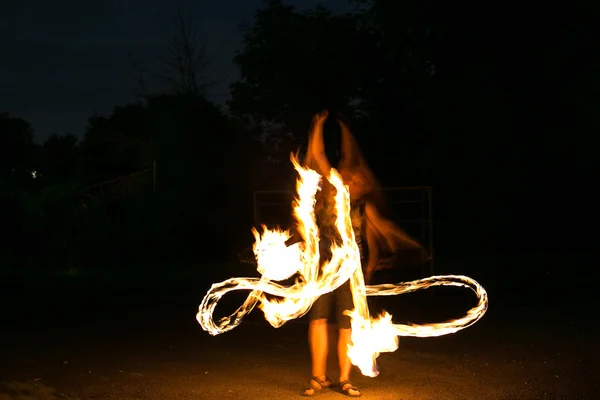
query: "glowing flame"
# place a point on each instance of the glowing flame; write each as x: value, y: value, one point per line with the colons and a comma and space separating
x: 276, y: 262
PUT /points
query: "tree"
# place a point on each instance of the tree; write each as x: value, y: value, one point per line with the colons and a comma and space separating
x: 39, y: 203
x: 376, y: 65
x: 404, y: 76
x: 18, y: 152
x: 60, y: 159
x: 294, y: 64
x: 119, y: 144
x: 201, y: 162
x: 187, y: 68
x: 406, y: 40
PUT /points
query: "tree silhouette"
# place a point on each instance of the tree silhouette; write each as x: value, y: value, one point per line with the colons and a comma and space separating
x: 117, y: 145
x: 202, y: 160
x: 60, y: 159
x: 376, y: 65
x: 188, y: 67
x: 294, y: 64
x: 18, y: 152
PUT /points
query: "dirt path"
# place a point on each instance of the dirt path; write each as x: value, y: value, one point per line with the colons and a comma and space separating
x: 145, y: 346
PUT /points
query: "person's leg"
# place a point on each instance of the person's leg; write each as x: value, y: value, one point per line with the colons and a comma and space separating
x: 318, y: 342
x: 344, y: 302
x: 344, y: 340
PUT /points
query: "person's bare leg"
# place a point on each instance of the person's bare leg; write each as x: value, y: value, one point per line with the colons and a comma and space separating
x: 318, y: 341
x: 344, y: 340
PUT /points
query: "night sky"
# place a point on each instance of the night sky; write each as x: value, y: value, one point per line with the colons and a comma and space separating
x: 65, y: 60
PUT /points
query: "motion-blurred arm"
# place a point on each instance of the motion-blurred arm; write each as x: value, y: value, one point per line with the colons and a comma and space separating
x: 351, y: 156
x: 392, y: 235
x: 381, y: 232
x: 315, y: 156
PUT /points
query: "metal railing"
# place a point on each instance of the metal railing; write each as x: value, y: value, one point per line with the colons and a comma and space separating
x: 119, y: 187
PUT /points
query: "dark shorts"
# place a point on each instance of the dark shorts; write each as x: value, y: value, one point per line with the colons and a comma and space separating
x: 341, y: 298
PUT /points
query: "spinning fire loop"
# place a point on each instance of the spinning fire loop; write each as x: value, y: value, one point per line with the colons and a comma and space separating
x: 276, y: 262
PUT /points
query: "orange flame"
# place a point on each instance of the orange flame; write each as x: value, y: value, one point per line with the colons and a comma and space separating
x: 277, y: 262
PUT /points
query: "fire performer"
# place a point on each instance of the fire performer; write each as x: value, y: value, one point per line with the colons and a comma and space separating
x: 367, y: 223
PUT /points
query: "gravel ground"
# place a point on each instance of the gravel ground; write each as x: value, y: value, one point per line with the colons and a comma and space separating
x: 122, y: 342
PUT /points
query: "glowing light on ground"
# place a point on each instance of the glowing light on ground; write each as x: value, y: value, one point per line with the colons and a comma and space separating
x: 276, y: 262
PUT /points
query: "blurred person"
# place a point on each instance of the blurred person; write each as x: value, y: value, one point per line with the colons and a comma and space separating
x: 369, y: 226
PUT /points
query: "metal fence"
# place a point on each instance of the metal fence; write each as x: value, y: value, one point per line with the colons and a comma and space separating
x: 411, y: 209
x: 119, y: 187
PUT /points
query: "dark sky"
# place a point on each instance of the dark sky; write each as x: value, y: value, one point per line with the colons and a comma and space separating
x: 64, y: 60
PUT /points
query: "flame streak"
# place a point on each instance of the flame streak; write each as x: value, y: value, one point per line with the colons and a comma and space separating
x: 276, y: 261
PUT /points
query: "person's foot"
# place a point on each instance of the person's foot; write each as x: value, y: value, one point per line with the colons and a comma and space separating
x: 349, y: 389
x: 317, y: 385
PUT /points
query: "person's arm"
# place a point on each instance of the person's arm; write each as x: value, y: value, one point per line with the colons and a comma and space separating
x: 373, y: 252
x: 316, y: 145
x: 348, y: 156
x: 394, y: 236
x: 352, y: 158
x: 294, y: 238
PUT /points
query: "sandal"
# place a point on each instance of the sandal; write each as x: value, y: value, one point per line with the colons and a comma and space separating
x: 349, y: 389
x: 316, y: 386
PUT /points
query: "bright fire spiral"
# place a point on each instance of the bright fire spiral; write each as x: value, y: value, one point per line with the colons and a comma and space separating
x: 276, y: 262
